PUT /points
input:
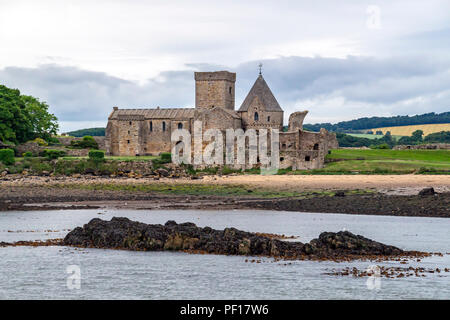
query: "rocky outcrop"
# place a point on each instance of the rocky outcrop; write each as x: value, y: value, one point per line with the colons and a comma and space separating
x: 427, y: 192
x: 122, y: 233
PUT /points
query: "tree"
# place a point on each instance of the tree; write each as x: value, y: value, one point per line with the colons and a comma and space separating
x: 417, y: 135
x: 44, y: 124
x: 438, y: 137
x: 24, y: 118
x: 14, y: 122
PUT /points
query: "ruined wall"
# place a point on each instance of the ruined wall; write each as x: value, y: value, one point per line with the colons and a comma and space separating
x: 296, y: 120
x: 303, y: 150
x: 215, y: 89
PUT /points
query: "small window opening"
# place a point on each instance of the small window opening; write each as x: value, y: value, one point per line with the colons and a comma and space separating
x: 180, y: 126
x: 164, y: 126
x: 307, y: 158
x: 256, y: 116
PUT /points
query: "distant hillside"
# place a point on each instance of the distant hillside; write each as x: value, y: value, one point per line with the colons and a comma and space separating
x: 379, y: 122
x: 408, y: 130
x: 87, y: 132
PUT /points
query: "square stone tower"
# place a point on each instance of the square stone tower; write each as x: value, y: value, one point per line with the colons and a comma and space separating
x: 214, y: 89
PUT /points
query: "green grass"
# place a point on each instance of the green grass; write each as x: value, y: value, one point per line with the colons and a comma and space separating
x: 385, y: 154
x: 371, y: 136
x: 387, y: 161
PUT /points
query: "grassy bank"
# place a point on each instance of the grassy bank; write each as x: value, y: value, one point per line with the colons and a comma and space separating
x: 381, y: 161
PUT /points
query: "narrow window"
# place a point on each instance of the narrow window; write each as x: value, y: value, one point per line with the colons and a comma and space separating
x: 180, y: 125
x: 151, y: 126
x: 130, y: 123
x: 256, y: 116
x: 316, y: 146
x: 229, y: 90
x: 283, y: 146
x: 307, y: 158
x: 164, y: 126
x: 268, y: 119
x: 128, y: 131
x: 128, y: 141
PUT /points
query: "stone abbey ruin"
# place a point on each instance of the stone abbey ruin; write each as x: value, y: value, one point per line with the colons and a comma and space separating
x: 133, y: 132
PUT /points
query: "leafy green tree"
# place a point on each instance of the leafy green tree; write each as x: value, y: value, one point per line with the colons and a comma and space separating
x: 438, y: 137
x: 24, y: 118
x: 14, y: 122
x: 44, y: 124
x: 417, y: 135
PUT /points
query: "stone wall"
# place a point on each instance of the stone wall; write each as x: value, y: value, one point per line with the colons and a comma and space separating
x: 215, y: 89
x: 296, y: 120
x: 433, y: 146
x: 265, y: 119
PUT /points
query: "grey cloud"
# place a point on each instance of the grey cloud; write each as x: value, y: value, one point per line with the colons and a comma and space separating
x: 364, y: 86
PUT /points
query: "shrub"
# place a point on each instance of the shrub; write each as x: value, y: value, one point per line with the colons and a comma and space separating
x: 53, y: 154
x: 87, y: 142
x: 227, y: 170
x: 52, y: 140
x: 380, y: 146
x: 27, y: 154
x: 166, y: 157
x: 7, y: 156
x: 97, y: 155
x: 40, y: 142
x: 38, y: 166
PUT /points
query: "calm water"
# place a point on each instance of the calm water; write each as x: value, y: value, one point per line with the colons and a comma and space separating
x: 32, y: 273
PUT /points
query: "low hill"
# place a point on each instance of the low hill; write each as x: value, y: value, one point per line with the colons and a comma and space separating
x: 87, y: 132
x: 381, y: 122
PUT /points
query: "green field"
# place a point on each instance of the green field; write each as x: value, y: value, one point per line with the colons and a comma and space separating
x: 371, y: 136
x: 387, y: 161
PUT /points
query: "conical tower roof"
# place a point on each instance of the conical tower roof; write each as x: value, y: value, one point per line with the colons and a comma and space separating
x: 261, y: 90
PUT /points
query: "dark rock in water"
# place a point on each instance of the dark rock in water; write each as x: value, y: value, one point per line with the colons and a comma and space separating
x: 427, y: 192
x: 122, y: 233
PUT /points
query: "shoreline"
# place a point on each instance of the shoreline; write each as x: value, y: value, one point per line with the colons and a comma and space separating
x: 383, y: 195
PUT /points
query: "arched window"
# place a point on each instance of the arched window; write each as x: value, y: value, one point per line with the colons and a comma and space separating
x: 256, y: 116
x: 229, y: 90
x: 151, y: 126
x: 164, y: 126
x: 180, y: 125
x: 268, y: 119
x: 316, y: 146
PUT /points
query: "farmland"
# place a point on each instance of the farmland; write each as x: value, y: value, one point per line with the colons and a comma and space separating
x: 408, y: 130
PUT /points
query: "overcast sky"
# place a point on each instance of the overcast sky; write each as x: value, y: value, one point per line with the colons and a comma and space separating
x: 338, y: 59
